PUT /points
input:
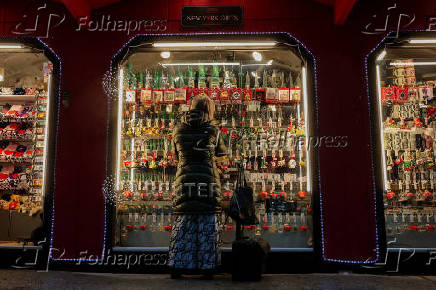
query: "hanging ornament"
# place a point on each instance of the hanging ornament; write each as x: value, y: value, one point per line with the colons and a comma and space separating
x: 409, y: 194
x: 430, y: 228
x: 227, y: 195
x: 390, y: 194
x: 398, y: 160
x: 427, y: 195
x: 263, y: 195
x: 301, y: 194
x: 128, y: 194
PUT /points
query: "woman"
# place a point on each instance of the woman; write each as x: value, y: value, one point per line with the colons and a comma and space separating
x: 195, y: 239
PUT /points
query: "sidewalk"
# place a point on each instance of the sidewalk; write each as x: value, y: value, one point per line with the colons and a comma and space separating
x: 26, y: 279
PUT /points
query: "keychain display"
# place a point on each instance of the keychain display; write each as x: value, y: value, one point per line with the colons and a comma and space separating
x: 409, y: 132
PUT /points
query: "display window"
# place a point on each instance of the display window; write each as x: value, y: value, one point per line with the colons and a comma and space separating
x: 402, y: 82
x: 27, y: 90
x: 263, y: 89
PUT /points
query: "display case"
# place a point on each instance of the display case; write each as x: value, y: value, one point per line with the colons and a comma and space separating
x: 263, y: 89
x: 402, y: 81
x: 27, y: 70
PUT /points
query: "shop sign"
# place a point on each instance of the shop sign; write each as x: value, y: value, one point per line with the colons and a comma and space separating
x: 212, y: 16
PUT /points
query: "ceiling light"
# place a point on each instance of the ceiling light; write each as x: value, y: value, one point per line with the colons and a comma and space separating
x: 413, y: 63
x: 200, y: 63
x: 422, y: 41
x: 165, y: 54
x: 213, y: 44
x: 257, y: 56
x: 10, y: 46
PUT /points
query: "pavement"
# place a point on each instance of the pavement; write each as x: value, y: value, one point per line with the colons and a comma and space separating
x: 31, y: 279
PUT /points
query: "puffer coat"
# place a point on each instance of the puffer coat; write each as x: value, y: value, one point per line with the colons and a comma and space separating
x: 197, y: 183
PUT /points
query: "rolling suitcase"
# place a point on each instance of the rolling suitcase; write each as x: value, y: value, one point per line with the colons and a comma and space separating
x: 249, y: 257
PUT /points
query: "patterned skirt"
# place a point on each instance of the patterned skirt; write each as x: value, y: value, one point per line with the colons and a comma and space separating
x: 195, y: 242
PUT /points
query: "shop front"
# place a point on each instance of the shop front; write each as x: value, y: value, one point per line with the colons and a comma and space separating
x: 29, y: 76
x: 402, y: 81
x: 265, y: 103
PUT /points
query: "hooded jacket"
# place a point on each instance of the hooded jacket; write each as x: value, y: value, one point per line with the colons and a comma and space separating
x: 197, y: 183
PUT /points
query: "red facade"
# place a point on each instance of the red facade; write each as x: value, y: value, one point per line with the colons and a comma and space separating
x: 348, y: 211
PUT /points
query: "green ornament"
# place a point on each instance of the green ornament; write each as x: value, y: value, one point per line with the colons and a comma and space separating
x: 201, y: 77
x: 181, y: 80
x: 215, y: 79
x: 263, y: 164
x: 129, y: 66
x: 156, y: 80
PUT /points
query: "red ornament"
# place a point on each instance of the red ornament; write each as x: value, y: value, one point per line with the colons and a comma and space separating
x: 265, y: 227
x: 427, y: 195
x: 13, y: 205
x: 129, y: 227
x: 398, y: 160
x: 410, y: 194
x: 263, y: 195
x: 303, y: 228
x: 144, y: 196
x: 128, y: 194
x: 390, y: 194
x: 227, y: 195
x: 143, y: 227
x: 229, y: 227
x: 287, y: 227
x: 414, y: 227
x: 283, y: 195
x: 301, y: 194
x: 430, y: 228
x: 273, y: 195
x: 168, y: 227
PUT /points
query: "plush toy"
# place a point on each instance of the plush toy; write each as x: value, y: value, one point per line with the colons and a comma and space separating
x: 15, y: 202
x: 17, y: 198
x: 13, y: 205
x: 4, y: 204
